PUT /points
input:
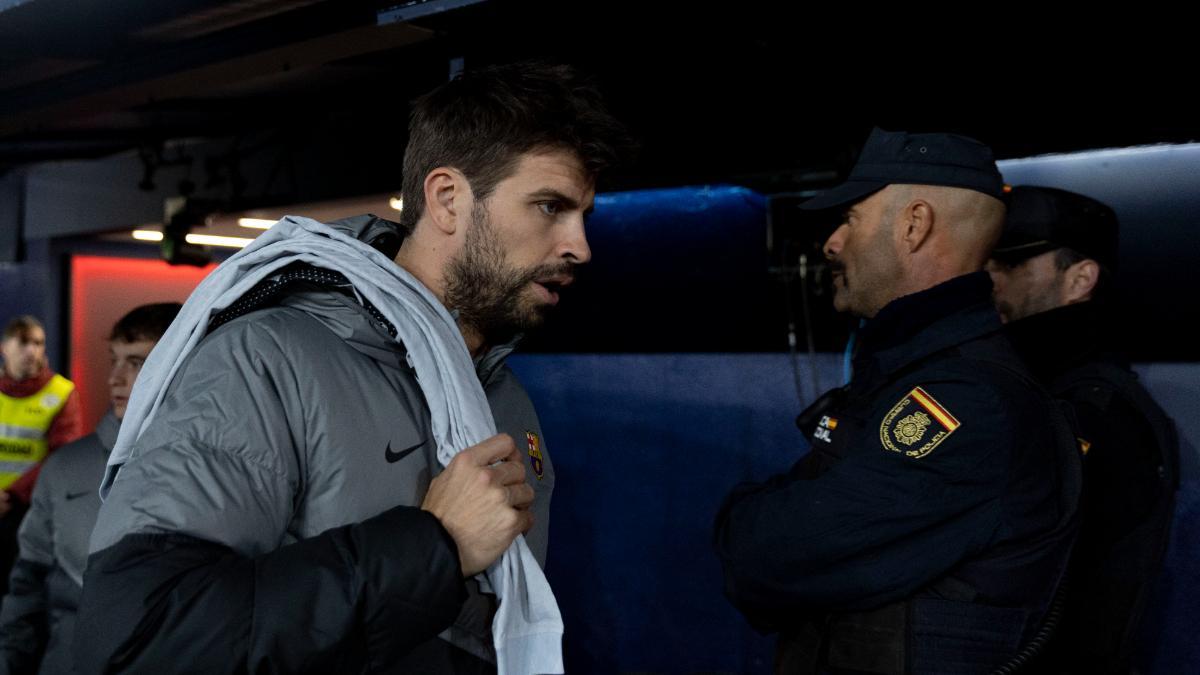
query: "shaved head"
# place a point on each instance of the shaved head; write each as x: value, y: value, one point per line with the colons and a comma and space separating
x: 972, y: 220
x: 966, y: 224
x: 907, y: 238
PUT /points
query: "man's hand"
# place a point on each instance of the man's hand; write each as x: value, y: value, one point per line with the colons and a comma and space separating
x: 5, y: 503
x: 483, y: 501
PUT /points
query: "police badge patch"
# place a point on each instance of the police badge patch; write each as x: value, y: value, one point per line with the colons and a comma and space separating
x: 916, y: 425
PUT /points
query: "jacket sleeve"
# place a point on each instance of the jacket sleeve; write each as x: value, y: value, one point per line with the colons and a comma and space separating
x: 24, y: 622
x: 879, y: 524
x: 1123, y: 453
x: 352, y: 599
x: 190, y: 557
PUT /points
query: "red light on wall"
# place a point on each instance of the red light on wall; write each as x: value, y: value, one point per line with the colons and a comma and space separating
x: 102, y: 291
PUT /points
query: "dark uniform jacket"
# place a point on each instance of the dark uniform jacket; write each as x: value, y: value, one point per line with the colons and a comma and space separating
x: 1130, y: 474
x: 927, y: 529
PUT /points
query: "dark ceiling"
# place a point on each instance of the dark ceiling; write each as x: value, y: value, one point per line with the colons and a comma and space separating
x: 771, y: 98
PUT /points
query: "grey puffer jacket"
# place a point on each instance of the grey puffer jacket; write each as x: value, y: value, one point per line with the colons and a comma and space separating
x: 269, y: 523
x: 37, y: 617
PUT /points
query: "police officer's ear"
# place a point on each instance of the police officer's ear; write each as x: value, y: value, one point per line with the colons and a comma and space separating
x: 916, y: 224
x: 1079, y: 280
x: 448, y: 198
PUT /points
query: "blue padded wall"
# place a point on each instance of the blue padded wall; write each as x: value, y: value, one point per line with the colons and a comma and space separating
x: 644, y: 449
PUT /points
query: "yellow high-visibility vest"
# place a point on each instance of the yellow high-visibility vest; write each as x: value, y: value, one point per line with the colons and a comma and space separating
x: 23, y: 426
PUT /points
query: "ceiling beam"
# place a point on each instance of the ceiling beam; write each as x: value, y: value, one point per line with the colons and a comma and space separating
x: 191, y: 69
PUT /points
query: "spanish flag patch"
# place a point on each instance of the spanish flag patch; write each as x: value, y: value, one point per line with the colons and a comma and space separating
x: 916, y: 425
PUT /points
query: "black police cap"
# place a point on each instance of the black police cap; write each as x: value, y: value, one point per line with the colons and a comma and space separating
x: 1042, y: 219
x: 919, y: 159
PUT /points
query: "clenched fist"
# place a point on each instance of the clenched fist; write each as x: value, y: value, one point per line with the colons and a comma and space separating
x: 483, y: 501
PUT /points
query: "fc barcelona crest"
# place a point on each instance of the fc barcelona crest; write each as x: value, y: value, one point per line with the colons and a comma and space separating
x: 916, y: 425
x: 535, y: 454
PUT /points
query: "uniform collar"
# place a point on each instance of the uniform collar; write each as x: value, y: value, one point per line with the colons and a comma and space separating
x: 1058, y: 340
x: 914, y: 326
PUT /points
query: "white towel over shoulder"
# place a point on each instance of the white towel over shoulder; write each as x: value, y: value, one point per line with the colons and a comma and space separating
x: 527, y: 629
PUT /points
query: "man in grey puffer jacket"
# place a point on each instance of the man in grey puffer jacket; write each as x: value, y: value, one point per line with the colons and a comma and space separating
x: 286, y: 511
x: 37, y: 617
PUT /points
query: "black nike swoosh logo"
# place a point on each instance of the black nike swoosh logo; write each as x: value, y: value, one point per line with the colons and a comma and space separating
x: 76, y: 495
x: 393, y: 457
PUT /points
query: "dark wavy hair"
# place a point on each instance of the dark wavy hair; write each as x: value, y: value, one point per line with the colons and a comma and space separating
x: 147, y: 322
x: 482, y: 121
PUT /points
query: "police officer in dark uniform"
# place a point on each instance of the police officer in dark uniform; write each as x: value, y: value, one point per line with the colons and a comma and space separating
x: 1053, y: 272
x: 928, y: 528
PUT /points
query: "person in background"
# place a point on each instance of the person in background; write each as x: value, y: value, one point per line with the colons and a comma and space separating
x: 39, y: 412
x: 1053, y: 273
x: 37, y: 616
